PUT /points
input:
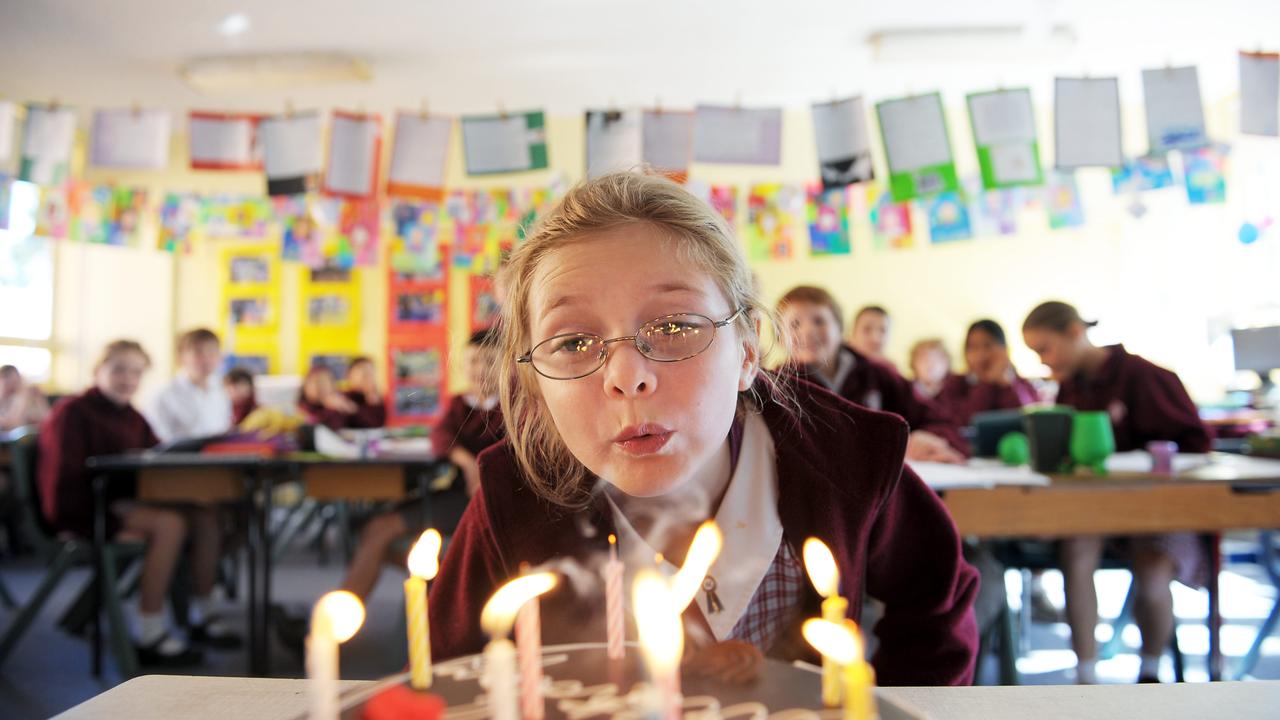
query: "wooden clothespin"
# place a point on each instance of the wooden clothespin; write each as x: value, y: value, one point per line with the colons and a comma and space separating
x: 657, y: 105
x: 737, y: 100
x: 54, y: 104
x: 422, y: 110
x: 288, y: 109
x: 502, y: 110
x: 136, y: 109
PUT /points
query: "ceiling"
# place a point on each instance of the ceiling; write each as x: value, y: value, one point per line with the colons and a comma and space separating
x: 564, y: 55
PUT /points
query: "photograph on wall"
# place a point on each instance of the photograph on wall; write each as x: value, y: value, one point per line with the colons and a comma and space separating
x: 328, y: 310
x: 250, y: 312
x: 420, y: 306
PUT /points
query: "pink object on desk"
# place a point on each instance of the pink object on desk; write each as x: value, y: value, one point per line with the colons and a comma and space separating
x: 1162, y: 452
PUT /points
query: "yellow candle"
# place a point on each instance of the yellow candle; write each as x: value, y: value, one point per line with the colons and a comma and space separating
x: 824, y: 575
x: 423, y: 565
x: 334, y: 620
x: 842, y: 644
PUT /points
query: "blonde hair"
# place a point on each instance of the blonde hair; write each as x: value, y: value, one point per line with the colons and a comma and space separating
x: 925, y: 346
x: 703, y: 238
x: 116, y: 348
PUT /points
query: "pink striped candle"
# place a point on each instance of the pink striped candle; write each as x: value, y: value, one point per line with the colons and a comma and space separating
x: 613, y: 602
x: 529, y: 654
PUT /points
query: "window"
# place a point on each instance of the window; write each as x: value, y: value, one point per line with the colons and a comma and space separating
x: 26, y: 287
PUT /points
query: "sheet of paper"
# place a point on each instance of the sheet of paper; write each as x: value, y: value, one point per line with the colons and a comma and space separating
x: 668, y: 140
x: 615, y: 141
x: 223, y: 142
x: 8, y: 117
x: 744, y: 136
x: 291, y: 145
x: 419, y: 152
x: 499, y: 144
x: 1260, y: 93
x: 976, y: 473
x: 1175, y: 114
x: 46, y: 143
x: 915, y: 133
x: 844, y: 145
x: 1003, y: 116
x: 355, y: 142
x: 128, y: 138
x: 1086, y: 122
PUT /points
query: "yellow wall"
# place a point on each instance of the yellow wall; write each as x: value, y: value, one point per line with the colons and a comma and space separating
x: 1166, y: 285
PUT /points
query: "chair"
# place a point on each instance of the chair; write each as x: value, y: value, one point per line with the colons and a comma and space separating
x: 1269, y: 559
x: 61, y: 553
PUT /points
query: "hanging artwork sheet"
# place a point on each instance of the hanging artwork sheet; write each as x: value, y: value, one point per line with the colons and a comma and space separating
x: 828, y: 216
x: 773, y: 212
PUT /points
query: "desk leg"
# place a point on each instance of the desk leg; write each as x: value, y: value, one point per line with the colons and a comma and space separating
x: 1214, y: 549
x: 264, y: 602
x: 254, y: 553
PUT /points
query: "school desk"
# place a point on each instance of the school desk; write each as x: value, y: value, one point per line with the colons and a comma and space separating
x: 156, y: 697
x: 250, y: 481
x: 1228, y: 492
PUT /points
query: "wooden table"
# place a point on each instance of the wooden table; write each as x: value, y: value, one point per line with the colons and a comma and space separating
x: 161, y: 697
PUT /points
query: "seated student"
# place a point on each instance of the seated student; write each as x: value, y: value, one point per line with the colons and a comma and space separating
x: 870, y: 333
x: 362, y: 389
x: 1145, y: 402
x: 811, y: 321
x: 630, y: 388
x: 930, y: 366
x: 20, y: 404
x: 238, y: 383
x: 473, y: 421
x: 320, y: 402
x: 101, y: 421
x: 195, y: 403
x: 991, y: 382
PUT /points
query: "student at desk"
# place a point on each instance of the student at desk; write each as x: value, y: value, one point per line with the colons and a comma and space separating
x: 1145, y: 402
x: 991, y: 383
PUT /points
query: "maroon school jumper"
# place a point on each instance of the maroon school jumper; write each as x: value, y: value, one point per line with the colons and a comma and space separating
x: 877, y: 386
x: 79, y: 428
x: 841, y: 479
x: 367, y: 415
x: 242, y: 409
x: 1146, y: 402
x: 467, y: 427
x: 963, y: 396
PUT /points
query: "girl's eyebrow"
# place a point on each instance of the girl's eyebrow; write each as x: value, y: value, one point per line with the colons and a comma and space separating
x: 559, y: 301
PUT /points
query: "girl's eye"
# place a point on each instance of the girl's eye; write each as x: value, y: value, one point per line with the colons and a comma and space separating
x: 573, y: 345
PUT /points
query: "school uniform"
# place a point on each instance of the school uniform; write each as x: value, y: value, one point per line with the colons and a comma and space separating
x: 470, y: 423
x: 963, y: 396
x: 832, y: 470
x: 81, y: 427
x: 367, y: 415
x: 185, y: 410
x: 877, y: 386
x: 320, y: 414
x: 241, y: 409
x: 1146, y: 402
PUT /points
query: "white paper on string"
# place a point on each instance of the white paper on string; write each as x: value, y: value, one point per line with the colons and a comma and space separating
x: 1260, y: 93
x: 737, y: 135
x: 127, y: 138
x: 915, y: 133
x: 668, y: 140
x: 8, y: 115
x: 353, y: 154
x: 291, y: 145
x: 46, y: 142
x: 496, y: 144
x: 1086, y: 122
x: 840, y: 129
x: 1175, y: 115
x: 1004, y: 116
x: 420, y: 149
x: 221, y: 141
x: 614, y: 141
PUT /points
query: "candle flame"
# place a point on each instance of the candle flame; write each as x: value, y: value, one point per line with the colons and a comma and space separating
x: 702, y: 552
x: 500, y: 612
x: 821, y: 565
x: 658, y: 620
x: 838, y: 642
x: 343, y: 612
x: 424, y: 558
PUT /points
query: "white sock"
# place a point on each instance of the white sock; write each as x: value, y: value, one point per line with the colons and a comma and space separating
x: 1150, y: 666
x: 151, y: 626
x: 199, y: 611
x: 1087, y: 672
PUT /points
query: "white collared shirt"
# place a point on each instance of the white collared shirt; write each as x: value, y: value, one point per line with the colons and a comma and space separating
x: 748, y: 519
x: 184, y: 410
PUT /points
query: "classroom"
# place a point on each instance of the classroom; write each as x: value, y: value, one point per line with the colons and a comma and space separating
x: 563, y: 360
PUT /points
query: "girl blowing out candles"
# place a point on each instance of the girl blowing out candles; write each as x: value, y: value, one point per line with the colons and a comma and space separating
x: 635, y: 406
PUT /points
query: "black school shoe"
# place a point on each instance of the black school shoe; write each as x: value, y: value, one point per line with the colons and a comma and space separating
x: 150, y: 655
x: 213, y: 633
x: 290, y: 631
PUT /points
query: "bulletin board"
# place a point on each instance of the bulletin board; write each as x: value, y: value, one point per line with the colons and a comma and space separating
x: 250, y: 307
x: 329, y: 317
x: 417, y: 343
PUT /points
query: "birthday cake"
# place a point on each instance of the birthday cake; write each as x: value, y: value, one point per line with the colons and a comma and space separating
x: 580, y: 682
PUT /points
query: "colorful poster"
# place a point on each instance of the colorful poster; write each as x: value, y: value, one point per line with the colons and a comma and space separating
x: 773, y: 212
x: 1062, y: 201
x: 948, y: 218
x: 179, y: 220
x: 1205, y: 173
x: 722, y: 198
x: 225, y: 216
x: 993, y: 212
x: 537, y: 202
x: 301, y: 240
x: 482, y: 224
x: 415, y: 249
x: 890, y: 221
x: 1004, y: 133
x: 53, y: 218
x: 360, y: 222
x: 916, y: 144
x: 504, y: 143
x: 1139, y: 174
x: 828, y: 216
x: 110, y: 216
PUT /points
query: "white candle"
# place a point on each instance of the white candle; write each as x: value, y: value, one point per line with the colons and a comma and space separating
x: 500, y: 654
x: 661, y: 640
x: 614, y: 602
x: 334, y: 620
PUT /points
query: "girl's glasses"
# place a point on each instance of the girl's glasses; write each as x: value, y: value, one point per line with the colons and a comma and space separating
x: 671, y: 338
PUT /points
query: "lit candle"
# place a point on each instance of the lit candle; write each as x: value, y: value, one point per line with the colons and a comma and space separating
x: 424, y: 563
x: 614, y: 606
x: 661, y: 640
x: 336, y: 617
x: 825, y: 577
x: 529, y: 655
x: 703, y: 550
x: 500, y: 654
x: 842, y: 645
